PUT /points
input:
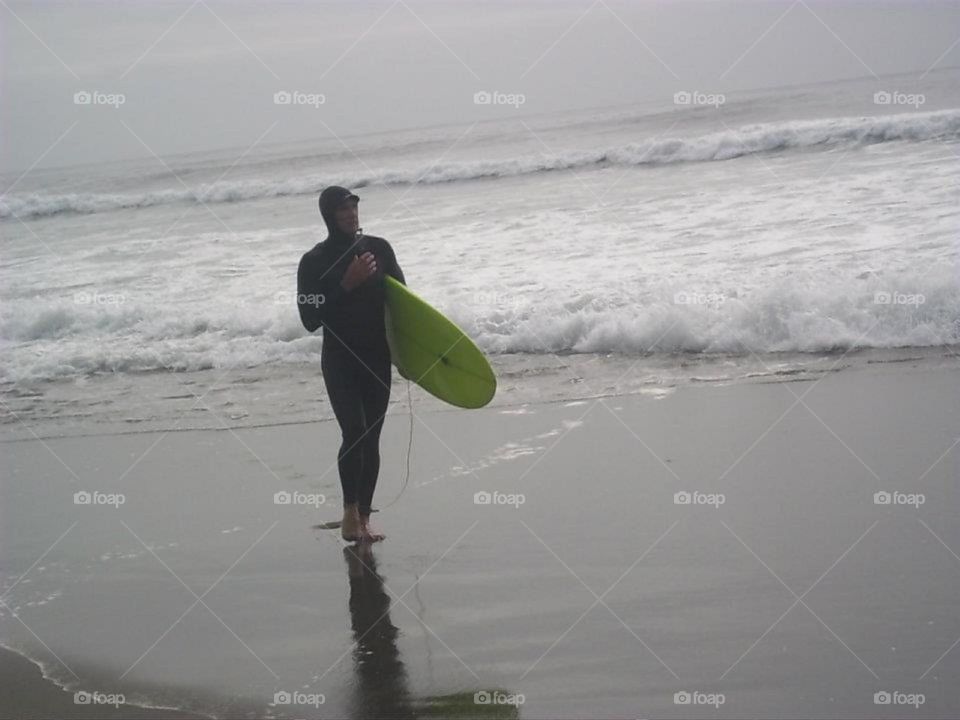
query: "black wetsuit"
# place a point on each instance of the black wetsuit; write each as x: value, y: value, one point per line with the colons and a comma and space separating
x: 355, y: 357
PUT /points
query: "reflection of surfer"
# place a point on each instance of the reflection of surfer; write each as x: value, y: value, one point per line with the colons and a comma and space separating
x: 381, y: 689
x: 334, y: 290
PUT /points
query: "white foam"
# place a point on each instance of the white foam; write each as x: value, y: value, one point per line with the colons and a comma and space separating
x: 58, y: 339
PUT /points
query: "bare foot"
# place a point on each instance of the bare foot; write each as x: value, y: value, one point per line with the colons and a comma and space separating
x: 367, y: 533
x: 351, y: 529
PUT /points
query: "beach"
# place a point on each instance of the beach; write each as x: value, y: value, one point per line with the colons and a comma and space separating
x: 719, y: 539
x: 710, y: 251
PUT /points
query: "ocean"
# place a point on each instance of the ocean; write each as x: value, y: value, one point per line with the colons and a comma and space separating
x: 753, y: 236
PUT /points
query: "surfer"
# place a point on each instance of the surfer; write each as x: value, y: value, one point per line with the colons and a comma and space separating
x: 340, y: 287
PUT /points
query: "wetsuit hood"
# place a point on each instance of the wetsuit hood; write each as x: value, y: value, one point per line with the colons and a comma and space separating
x: 330, y: 199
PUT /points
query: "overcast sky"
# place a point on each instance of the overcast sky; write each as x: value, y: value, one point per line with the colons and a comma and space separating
x: 203, y: 75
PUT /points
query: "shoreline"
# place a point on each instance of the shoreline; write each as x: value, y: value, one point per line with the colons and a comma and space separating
x: 27, y: 692
x: 551, y: 379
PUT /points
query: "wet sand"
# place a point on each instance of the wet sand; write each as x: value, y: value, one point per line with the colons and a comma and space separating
x: 24, y: 693
x: 718, y: 544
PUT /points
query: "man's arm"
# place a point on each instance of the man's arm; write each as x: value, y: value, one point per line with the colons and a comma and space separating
x: 393, y: 267
x: 318, y: 290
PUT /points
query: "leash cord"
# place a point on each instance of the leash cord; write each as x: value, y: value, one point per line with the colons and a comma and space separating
x: 409, y: 447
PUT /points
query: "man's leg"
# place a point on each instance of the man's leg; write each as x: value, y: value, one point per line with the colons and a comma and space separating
x: 346, y: 398
x: 376, y: 399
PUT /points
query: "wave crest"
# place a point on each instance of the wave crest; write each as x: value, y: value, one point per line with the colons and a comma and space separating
x: 726, y: 145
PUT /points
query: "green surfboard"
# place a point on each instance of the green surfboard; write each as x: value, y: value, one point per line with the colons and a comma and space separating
x: 433, y: 352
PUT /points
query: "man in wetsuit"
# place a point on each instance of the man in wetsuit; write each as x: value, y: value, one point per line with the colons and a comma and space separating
x: 340, y: 285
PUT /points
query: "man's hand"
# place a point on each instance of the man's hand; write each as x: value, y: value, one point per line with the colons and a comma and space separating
x: 362, y: 267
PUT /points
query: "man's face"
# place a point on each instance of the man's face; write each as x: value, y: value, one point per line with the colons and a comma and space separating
x: 348, y: 216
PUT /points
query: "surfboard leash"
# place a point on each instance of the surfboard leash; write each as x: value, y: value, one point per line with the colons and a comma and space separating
x: 406, y: 479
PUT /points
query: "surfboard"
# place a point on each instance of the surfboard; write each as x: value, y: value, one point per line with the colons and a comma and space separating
x: 433, y: 352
